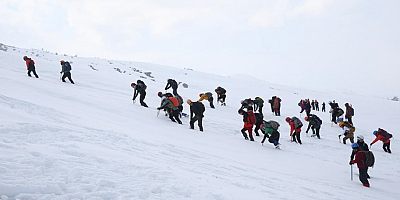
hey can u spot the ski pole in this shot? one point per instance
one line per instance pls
(351, 172)
(158, 112)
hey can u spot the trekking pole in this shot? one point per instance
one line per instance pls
(351, 172)
(158, 112)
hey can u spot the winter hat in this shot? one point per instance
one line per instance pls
(159, 94)
(133, 84)
(354, 146)
(375, 132)
(306, 118)
(200, 94)
(189, 101)
(360, 137)
(341, 124)
(287, 119)
(25, 57)
(62, 61)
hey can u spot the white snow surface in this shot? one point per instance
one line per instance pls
(88, 141)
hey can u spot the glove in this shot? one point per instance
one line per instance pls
(60, 72)
(345, 134)
(350, 163)
(306, 131)
(158, 108)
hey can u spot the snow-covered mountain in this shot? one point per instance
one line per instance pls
(88, 141)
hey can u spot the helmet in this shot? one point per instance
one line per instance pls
(159, 94)
(306, 118)
(200, 94)
(189, 101)
(25, 57)
(287, 119)
(61, 61)
(360, 137)
(354, 146)
(375, 132)
(341, 124)
(133, 84)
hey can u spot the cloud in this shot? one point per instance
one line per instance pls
(312, 7)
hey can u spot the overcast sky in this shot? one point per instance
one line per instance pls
(303, 42)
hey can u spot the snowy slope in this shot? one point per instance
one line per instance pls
(88, 141)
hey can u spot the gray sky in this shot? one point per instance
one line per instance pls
(336, 43)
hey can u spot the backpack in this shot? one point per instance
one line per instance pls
(339, 112)
(261, 101)
(351, 127)
(351, 110)
(221, 90)
(252, 117)
(265, 125)
(259, 117)
(180, 99)
(315, 118)
(369, 158)
(297, 123)
(208, 94)
(174, 101)
(141, 84)
(275, 125)
(385, 134)
(68, 66)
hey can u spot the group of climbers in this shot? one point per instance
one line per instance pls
(65, 69)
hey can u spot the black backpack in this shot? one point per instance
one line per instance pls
(385, 134)
(297, 122)
(369, 158)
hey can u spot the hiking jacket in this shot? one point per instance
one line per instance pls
(246, 120)
(380, 137)
(198, 109)
(277, 103)
(349, 111)
(30, 64)
(204, 97)
(292, 129)
(360, 144)
(360, 159)
(171, 83)
(139, 88)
